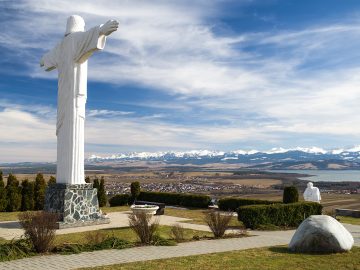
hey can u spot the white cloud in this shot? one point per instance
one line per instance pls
(299, 82)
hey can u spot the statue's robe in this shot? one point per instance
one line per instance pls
(70, 58)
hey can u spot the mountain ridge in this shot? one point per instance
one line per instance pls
(276, 158)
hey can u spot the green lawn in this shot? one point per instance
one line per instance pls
(9, 216)
(349, 220)
(274, 258)
(197, 216)
(123, 233)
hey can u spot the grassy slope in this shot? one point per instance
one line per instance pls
(275, 258)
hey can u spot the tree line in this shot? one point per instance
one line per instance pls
(30, 195)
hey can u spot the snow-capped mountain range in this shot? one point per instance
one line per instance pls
(298, 154)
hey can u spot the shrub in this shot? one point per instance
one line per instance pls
(182, 199)
(52, 180)
(13, 194)
(291, 214)
(39, 192)
(39, 228)
(101, 193)
(87, 180)
(106, 243)
(135, 190)
(143, 227)
(119, 200)
(27, 195)
(217, 222)
(161, 241)
(290, 195)
(16, 249)
(177, 232)
(233, 203)
(3, 202)
(96, 183)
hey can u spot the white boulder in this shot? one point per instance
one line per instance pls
(323, 234)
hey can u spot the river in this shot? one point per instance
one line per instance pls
(326, 175)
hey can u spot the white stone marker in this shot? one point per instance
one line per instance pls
(321, 233)
(70, 57)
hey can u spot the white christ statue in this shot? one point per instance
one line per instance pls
(311, 193)
(70, 57)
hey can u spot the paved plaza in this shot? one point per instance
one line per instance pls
(259, 239)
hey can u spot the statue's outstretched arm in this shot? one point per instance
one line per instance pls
(109, 27)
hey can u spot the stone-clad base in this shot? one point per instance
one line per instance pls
(63, 225)
(77, 205)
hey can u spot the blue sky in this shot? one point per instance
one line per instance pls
(181, 75)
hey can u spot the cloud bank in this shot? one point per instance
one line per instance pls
(230, 88)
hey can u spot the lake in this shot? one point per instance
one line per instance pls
(326, 175)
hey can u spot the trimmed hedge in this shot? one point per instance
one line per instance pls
(119, 200)
(182, 199)
(233, 203)
(291, 214)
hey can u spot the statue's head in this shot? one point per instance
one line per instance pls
(310, 185)
(75, 23)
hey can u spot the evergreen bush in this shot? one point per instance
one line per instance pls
(96, 183)
(39, 192)
(27, 195)
(87, 180)
(135, 190)
(52, 180)
(233, 203)
(290, 195)
(289, 215)
(102, 193)
(119, 200)
(3, 202)
(13, 194)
